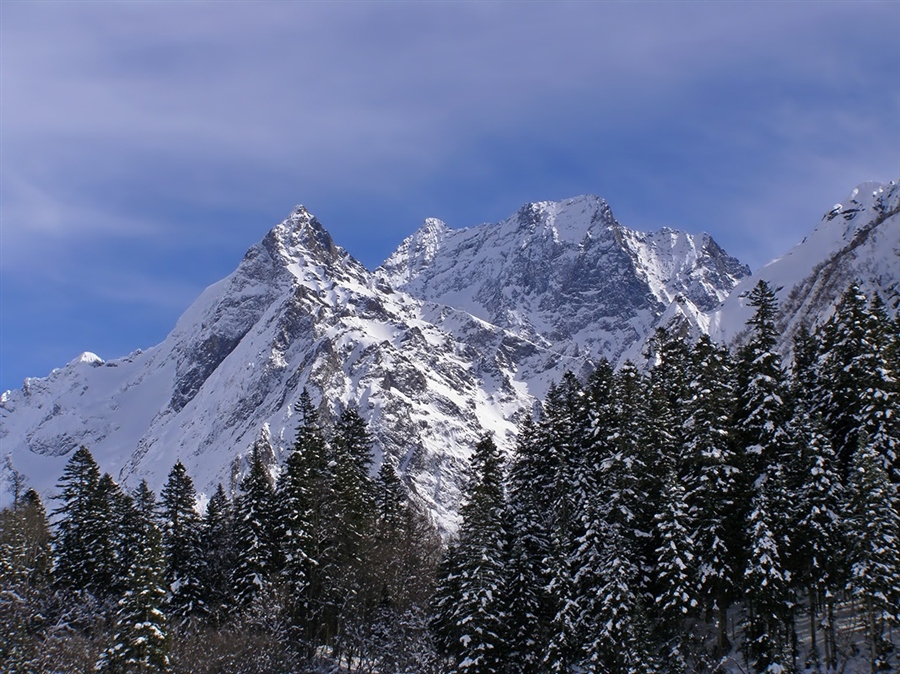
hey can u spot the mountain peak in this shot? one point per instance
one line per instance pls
(301, 237)
(569, 220)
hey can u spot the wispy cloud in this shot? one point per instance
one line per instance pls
(180, 131)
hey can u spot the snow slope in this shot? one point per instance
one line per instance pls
(459, 332)
(565, 275)
(858, 239)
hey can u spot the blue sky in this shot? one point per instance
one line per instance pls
(145, 146)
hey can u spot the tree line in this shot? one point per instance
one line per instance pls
(716, 507)
(320, 567)
(695, 518)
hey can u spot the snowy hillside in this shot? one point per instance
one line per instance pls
(565, 274)
(858, 239)
(298, 311)
(458, 332)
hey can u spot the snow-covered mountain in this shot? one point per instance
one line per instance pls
(858, 239)
(458, 332)
(565, 275)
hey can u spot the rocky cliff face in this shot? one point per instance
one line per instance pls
(458, 333)
(565, 275)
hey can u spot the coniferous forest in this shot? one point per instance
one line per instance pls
(718, 513)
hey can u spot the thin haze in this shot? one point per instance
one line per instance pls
(146, 146)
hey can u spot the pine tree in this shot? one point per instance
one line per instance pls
(805, 371)
(762, 411)
(217, 552)
(106, 539)
(136, 510)
(874, 529)
(256, 549)
(304, 498)
(676, 571)
(769, 623)
(478, 570)
(620, 635)
(181, 541)
(712, 483)
(75, 563)
(879, 415)
(528, 515)
(389, 500)
(140, 642)
(817, 551)
(858, 387)
(24, 581)
(617, 532)
(562, 435)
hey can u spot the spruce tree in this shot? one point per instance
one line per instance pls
(353, 507)
(676, 572)
(529, 523)
(858, 387)
(24, 581)
(874, 529)
(304, 499)
(879, 416)
(562, 434)
(769, 604)
(389, 499)
(106, 539)
(762, 410)
(217, 554)
(610, 576)
(818, 541)
(713, 482)
(254, 526)
(181, 541)
(138, 508)
(140, 640)
(75, 563)
(475, 621)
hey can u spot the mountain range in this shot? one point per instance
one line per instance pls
(458, 332)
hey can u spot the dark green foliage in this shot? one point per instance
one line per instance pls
(76, 566)
(818, 555)
(858, 388)
(640, 515)
(677, 573)
(217, 557)
(256, 553)
(713, 482)
(472, 580)
(528, 519)
(24, 581)
(767, 579)
(305, 535)
(140, 641)
(181, 543)
(875, 550)
(762, 410)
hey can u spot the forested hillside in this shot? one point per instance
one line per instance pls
(720, 512)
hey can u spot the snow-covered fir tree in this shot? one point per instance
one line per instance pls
(676, 573)
(528, 608)
(767, 579)
(217, 555)
(874, 532)
(712, 481)
(474, 580)
(181, 543)
(256, 549)
(818, 550)
(75, 562)
(140, 639)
